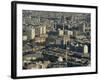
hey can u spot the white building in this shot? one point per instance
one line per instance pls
(84, 25)
(32, 33)
(65, 39)
(61, 32)
(40, 39)
(68, 32)
(29, 34)
(60, 59)
(42, 29)
(85, 49)
(24, 38)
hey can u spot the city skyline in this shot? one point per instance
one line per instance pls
(56, 39)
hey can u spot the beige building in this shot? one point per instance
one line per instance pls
(40, 39)
(32, 33)
(24, 37)
(61, 32)
(65, 39)
(40, 30)
(85, 49)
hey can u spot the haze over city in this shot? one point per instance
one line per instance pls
(56, 39)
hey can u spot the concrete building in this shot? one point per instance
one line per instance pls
(40, 30)
(24, 37)
(65, 39)
(40, 39)
(75, 33)
(82, 27)
(44, 29)
(32, 33)
(61, 32)
(85, 49)
(60, 59)
(68, 32)
(59, 41)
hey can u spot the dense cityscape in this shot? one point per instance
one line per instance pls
(56, 39)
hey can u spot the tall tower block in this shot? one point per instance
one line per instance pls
(32, 33)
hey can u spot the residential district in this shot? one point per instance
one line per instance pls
(56, 39)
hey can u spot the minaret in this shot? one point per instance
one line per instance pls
(62, 21)
(66, 57)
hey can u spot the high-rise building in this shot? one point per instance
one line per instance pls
(32, 33)
(61, 32)
(40, 39)
(82, 27)
(75, 33)
(58, 41)
(65, 39)
(68, 32)
(42, 30)
(85, 49)
(24, 37)
(60, 59)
